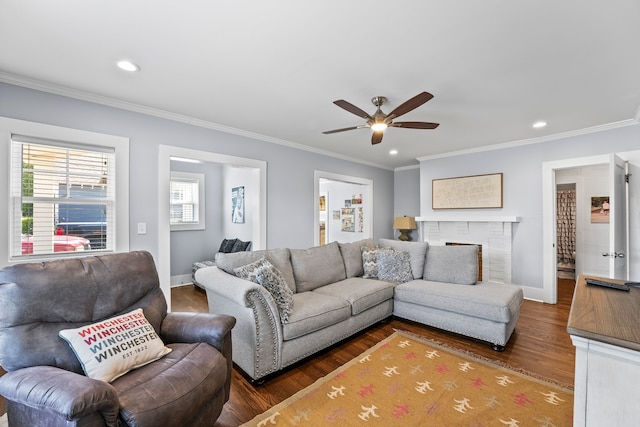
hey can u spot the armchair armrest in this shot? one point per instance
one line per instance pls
(69, 395)
(214, 329)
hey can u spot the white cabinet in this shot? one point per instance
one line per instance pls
(605, 329)
(607, 385)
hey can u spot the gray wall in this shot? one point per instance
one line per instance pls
(522, 169)
(406, 191)
(290, 172)
(196, 245)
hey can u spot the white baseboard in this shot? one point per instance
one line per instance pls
(181, 280)
(535, 294)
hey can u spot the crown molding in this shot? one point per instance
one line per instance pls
(564, 135)
(68, 92)
(408, 167)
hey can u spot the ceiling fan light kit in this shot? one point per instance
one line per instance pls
(379, 121)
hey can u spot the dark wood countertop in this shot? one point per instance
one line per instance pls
(607, 315)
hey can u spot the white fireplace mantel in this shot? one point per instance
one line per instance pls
(451, 218)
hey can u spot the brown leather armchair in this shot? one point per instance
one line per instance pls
(45, 384)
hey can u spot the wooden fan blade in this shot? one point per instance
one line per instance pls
(415, 125)
(352, 108)
(411, 104)
(376, 137)
(341, 130)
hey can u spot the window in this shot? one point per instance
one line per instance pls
(62, 197)
(186, 201)
(56, 179)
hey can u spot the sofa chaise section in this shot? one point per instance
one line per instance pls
(449, 297)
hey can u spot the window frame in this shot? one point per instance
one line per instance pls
(80, 138)
(198, 178)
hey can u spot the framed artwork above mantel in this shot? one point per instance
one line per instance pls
(467, 192)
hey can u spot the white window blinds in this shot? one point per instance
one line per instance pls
(62, 197)
(186, 201)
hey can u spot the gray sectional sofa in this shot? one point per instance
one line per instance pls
(292, 303)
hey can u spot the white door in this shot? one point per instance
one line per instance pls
(617, 251)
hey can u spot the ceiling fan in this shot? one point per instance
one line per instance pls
(379, 121)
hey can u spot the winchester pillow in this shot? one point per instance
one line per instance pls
(110, 348)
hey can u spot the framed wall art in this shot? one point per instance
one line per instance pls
(467, 192)
(599, 209)
(237, 205)
(348, 219)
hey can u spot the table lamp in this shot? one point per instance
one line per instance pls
(405, 224)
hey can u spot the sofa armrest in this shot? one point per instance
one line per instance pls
(257, 336)
(49, 390)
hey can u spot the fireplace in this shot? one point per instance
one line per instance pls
(492, 235)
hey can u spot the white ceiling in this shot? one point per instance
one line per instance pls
(271, 69)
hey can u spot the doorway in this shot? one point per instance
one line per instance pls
(589, 258)
(343, 209)
(259, 220)
(566, 230)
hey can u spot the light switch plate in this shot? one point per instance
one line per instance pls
(142, 228)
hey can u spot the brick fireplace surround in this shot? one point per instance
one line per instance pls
(493, 233)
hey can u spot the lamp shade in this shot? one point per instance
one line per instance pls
(404, 223)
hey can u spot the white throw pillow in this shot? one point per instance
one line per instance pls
(110, 348)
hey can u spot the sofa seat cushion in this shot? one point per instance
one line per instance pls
(167, 385)
(361, 294)
(313, 311)
(487, 300)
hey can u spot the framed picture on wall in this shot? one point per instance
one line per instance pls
(600, 209)
(348, 219)
(237, 205)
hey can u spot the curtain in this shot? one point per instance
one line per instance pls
(566, 226)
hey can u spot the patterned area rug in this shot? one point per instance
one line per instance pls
(408, 381)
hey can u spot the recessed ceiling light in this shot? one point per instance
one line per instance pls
(539, 124)
(393, 152)
(128, 66)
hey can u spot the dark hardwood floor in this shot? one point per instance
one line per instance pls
(540, 345)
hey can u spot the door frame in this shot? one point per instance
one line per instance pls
(164, 177)
(549, 219)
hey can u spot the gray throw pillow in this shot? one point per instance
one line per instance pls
(352, 256)
(394, 266)
(452, 264)
(278, 257)
(249, 271)
(417, 253)
(273, 281)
